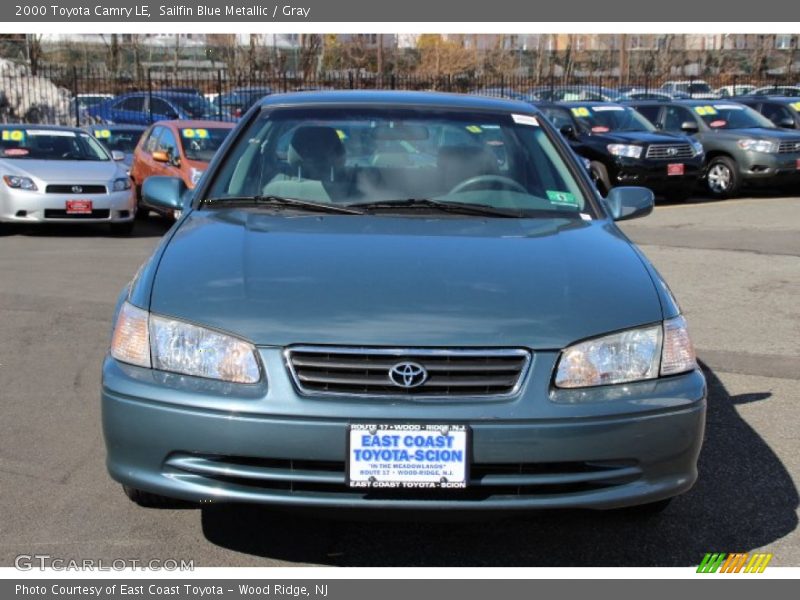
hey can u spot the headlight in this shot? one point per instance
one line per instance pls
(696, 146)
(122, 184)
(20, 183)
(195, 175)
(758, 145)
(629, 151)
(148, 340)
(633, 355)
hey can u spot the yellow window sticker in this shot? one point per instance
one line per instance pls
(187, 133)
(704, 111)
(13, 135)
(201, 133)
(102, 134)
(342, 135)
(580, 111)
(795, 105)
(474, 129)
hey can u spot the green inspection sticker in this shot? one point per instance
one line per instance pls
(557, 197)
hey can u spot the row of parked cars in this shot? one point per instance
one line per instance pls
(146, 107)
(95, 174)
(670, 146)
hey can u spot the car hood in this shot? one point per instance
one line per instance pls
(639, 137)
(371, 280)
(64, 171)
(759, 133)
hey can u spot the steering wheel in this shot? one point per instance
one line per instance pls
(488, 182)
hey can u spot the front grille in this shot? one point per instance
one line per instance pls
(68, 189)
(670, 151)
(99, 213)
(366, 371)
(789, 146)
(327, 479)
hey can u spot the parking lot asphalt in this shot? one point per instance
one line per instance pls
(734, 267)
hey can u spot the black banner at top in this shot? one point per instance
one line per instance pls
(450, 11)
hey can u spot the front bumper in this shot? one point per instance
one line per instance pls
(653, 174)
(21, 206)
(211, 442)
(763, 167)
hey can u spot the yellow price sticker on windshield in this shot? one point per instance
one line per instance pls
(188, 133)
(474, 129)
(795, 105)
(195, 133)
(580, 111)
(102, 133)
(201, 133)
(704, 111)
(13, 135)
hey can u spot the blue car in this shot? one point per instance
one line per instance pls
(144, 108)
(400, 300)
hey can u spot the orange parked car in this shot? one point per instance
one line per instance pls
(178, 149)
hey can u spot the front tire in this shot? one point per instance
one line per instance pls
(722, 178)
(142, 212)
(599, 175)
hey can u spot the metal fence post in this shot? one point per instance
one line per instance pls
(75, 96)
(150, 94)
(219, 94)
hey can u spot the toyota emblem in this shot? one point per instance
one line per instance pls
(408, 375)
(76, 189)
(672, 151)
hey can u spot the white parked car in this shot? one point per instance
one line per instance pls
(689, 88)
(729, 91)
(62, 174)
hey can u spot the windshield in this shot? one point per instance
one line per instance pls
(194, 106)
(732, 116)
(123, 140)
(351, 156)
(49, 144)
(610, 117)
(200, 143)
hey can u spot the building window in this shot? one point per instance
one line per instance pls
(783, 42)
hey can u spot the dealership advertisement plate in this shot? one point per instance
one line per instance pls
(675, 169)
(407, 456)
(79, 207)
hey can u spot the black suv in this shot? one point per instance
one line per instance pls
(626, 149)
(741, 145)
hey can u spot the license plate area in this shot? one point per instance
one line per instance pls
(675, 169)
(79, 207)
(407, 456)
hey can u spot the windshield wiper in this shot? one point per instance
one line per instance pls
(461, 208)
(280, 202)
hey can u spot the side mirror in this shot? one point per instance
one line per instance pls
(161, 156)
(785, 122)
(689, 127)
(117, 155)
(164, 192)
(568, 131)
(626, 202)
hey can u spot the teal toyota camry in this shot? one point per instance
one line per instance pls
(400, 300)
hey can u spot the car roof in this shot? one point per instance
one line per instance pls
(120, 126)
(767, 98)
(188, 123)
(578, 103)
(41, 126)
(399, 98)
